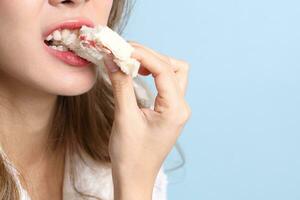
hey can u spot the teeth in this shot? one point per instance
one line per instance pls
(71, 39)
(60, 39)
(49, 38)
(54, 47)
(57, 35)
(62, 48)
(73, 36)
(59, 48)
(65, 34)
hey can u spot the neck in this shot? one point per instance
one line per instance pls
(25, 114)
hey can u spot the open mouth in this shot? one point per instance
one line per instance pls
(57, 44)
(58, 39)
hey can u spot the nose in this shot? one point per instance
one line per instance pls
(67, 2)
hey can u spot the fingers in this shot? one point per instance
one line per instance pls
(164, 78)
(182, 72)
(180, 68)
(122, 84)
(170, 77)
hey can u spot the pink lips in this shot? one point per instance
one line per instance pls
(68, 57)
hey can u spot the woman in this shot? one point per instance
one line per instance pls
(65, 132)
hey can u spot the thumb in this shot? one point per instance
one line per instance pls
(122, 85)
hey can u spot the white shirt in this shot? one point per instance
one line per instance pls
(93, 178)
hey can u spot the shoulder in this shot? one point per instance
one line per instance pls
(95, 178)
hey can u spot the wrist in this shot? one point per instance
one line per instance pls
(132, 184)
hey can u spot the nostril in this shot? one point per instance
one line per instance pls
(67, 2)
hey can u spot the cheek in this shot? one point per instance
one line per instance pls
(21, 53)
(17, 18)
(16, 11)
(8, 12)
(108, 3)
(101, 10)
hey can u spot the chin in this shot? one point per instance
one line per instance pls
(73, 85)
(76, 88)
(76, 92)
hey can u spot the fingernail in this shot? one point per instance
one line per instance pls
(110, 64)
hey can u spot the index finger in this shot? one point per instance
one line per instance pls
(164, 78)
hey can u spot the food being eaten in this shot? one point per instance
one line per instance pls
(92, 43)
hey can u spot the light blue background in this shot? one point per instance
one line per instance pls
(242, 142)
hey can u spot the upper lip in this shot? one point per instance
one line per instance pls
(74, 23)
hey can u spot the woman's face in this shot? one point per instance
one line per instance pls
(23, 56)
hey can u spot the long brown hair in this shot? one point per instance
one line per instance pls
(80, 122)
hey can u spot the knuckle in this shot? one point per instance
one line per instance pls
(188, 112)
(181, 115)
(135, 44)
(185, 66)
(166, 69)
(185, 115)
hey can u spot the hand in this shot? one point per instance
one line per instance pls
(141, 138)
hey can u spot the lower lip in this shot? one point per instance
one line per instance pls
(68, 57)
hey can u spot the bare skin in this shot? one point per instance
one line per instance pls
(152, 133)
(29, 86)
(31, 79)
(24, 124)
